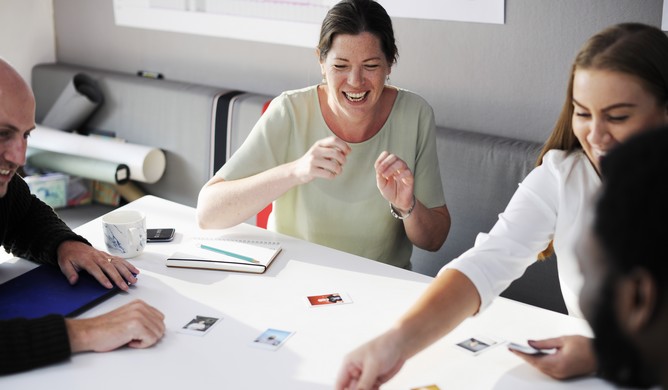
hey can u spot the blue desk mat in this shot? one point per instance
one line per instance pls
(45, 290)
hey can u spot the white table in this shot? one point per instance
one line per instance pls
(251, 303)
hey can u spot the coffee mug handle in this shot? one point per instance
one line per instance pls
(133, 234)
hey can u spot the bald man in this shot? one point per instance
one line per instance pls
(30, 229)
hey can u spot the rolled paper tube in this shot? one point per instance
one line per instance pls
(75, 104)
(130, 191)
(147, 164)
(85, 167)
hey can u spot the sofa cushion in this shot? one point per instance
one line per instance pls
(480, 173)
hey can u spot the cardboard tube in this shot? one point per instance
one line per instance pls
(85, 167)
(130, 191)
(75, 104)
(146, 164)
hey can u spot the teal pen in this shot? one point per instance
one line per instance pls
(236, 256)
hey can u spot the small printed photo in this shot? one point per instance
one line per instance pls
(475, 345)
(200, 325)
(328, 299)
(272, 338)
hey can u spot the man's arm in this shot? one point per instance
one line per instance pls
(26, 344)
(33, 230)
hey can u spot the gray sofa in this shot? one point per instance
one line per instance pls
(480, 173)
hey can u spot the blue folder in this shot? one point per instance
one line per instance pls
(45, 290)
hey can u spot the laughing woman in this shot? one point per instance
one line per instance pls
(350, 163)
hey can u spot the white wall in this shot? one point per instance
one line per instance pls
(27, 34)
(497, 79)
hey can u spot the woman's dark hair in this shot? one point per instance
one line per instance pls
(354, 17)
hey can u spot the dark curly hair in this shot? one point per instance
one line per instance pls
(631, 220)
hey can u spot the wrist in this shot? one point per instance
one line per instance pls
(77, 335)
(402, 214)
(401, 341)
(68, 246)
(294, 174)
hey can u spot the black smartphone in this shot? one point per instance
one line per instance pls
(159, 235)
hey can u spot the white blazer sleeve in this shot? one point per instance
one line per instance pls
(522, 231)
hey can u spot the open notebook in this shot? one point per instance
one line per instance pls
(225, 255)
(45, 290)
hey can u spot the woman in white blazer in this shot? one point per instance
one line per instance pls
(618, 87)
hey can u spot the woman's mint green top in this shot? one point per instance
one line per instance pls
(347, 213)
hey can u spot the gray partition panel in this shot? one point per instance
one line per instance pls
(245, 110)
(174, 116)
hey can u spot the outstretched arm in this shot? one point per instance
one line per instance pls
(448, 301)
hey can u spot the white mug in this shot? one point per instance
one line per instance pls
(124, 232)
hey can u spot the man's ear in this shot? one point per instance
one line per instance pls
(636, 300)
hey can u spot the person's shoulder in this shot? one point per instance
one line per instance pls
(289, 101)
(410, 97)
(301, 93)
(296, 97)
(561, 157)
(565, 161)
(410, 102)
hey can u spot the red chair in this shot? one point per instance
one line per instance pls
(263, 216)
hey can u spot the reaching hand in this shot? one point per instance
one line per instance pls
(136, 325)
(394, 180)
(74, 256)
(371, 365)
(325, 159)
(574, 357)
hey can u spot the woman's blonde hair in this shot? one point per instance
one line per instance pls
(632, 48)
